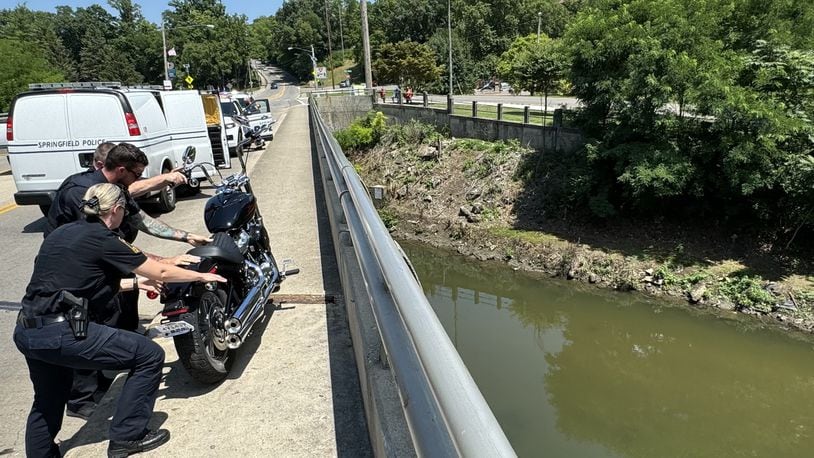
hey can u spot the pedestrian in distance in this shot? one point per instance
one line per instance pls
(408, 95)
(397, 95)
(382, 93)
(77, 272)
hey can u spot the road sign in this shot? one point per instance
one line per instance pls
(170, 65)
(189, 79)
(167, 85)
(171, 73)
(322, 73)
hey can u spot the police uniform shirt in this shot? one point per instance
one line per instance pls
(84, 258)
(66, 207)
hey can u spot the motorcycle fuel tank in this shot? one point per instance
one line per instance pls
(229, 210)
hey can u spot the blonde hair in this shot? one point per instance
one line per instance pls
(101, 198)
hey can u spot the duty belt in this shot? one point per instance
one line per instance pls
(40, 321)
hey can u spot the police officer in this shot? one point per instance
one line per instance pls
(124, 164)
(145, 185)
(86, 261)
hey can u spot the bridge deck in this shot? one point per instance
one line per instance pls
(293, 390)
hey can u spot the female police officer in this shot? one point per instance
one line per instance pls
(86, 261)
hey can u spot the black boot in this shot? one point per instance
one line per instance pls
(150, 441)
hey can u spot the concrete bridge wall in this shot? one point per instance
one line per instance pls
(339, 111)
(566, 139)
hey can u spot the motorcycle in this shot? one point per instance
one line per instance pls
(209, 322)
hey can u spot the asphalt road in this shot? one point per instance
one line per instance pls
(293, 390)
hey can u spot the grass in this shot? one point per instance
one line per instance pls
(533, 237)
(510, 114)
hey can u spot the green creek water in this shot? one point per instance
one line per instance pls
(573, 371)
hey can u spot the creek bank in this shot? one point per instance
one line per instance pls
(465, 195)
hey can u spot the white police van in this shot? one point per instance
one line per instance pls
(53, 129)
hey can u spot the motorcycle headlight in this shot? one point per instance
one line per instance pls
(230, 125)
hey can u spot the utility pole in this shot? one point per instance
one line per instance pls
(164, 42)
(341, 32)
(449, 27)
(330, 51)
(539, 21)
(366, 45)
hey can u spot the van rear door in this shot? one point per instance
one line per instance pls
(259, 115)
(216, 127)
(186, 120)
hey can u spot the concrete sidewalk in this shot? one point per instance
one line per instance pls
(293, 389)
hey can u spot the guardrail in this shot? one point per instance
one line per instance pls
(445, 412)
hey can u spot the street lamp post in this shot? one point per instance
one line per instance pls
(539, 22)
(313, 61)
(164, 41)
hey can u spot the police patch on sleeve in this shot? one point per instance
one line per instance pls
(132, 248)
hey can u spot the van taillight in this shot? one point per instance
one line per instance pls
(9, 130)
(132, 124)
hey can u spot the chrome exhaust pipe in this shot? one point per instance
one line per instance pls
(233, 342)
(236, 322)
(257, 312)
(250, 310)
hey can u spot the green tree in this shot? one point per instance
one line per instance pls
(217, 56)
(38, 29)
(465, 70)
(406, 62)
(533, 64)
(29, 66)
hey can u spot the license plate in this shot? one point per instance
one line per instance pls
(175, 328)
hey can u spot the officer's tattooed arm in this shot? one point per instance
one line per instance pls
(159, 228)
(162, 230)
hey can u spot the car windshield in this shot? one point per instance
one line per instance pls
(228, 108)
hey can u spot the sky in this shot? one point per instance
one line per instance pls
(152, 8)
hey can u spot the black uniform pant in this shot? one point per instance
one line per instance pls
(52, 352)
(90, 385)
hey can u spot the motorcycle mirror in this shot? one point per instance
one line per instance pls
(189, 155)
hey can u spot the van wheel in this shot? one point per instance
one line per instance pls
(166, 198)
(44, 209)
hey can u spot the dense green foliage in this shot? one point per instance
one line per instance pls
(362, 133)
(90, 44)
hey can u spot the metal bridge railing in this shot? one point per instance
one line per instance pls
(445, 411)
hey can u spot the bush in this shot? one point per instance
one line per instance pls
(362, 134)
(746, 291)
(410, 134)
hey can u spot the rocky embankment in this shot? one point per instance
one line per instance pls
(467, 195)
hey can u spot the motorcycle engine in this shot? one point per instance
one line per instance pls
(242, 240)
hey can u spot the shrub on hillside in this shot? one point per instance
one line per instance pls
(362, 134)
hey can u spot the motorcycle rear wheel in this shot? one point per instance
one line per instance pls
(203, 350)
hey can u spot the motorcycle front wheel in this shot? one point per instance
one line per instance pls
(203, 351)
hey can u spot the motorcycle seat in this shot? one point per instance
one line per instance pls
(221, 249)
